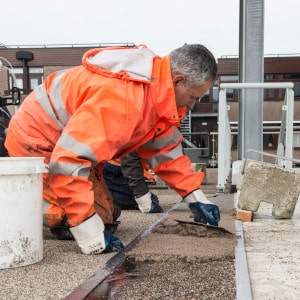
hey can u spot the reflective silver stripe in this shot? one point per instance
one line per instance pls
(160, 158)
(69, 169)
(46, 205)
(57, 101)
(43, 99)
(69, 143)
(163, 142)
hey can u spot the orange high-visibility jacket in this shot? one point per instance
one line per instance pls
(117, 101)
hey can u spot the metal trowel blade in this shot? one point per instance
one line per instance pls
(222, 229)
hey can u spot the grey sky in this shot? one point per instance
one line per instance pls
(160, 24)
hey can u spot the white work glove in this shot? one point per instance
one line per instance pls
(205, 210)
(91, 237)
(147, 205)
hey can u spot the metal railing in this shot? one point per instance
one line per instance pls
(225, 137)
(196, 145)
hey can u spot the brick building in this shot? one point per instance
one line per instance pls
(33, 63)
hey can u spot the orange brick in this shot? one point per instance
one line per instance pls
(244, 215)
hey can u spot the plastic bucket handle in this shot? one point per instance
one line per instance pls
(29, 169)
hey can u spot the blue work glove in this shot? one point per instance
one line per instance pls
(147, 204)
(112, 241)
(206, 210)
(209, 213)
(155, 208)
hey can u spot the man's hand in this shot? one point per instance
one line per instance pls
(112, 241)
(208, 213)
(155, 208)
(92, 239)
(206, 210)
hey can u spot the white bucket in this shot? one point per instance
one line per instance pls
(21, 219)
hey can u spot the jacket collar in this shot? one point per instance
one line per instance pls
(121, 62)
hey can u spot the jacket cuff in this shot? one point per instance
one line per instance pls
(144, 202)
(89, 235)
(196, 196)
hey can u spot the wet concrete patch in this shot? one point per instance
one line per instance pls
(182, 261)
(169, 261)
(189, 228)
(159, 247)
(171, 240)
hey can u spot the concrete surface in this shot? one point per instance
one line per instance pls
(271, 240)
(63, 267)
(273, 254)
(271, 249)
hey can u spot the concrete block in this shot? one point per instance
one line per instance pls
(265, 182)
(236, 166)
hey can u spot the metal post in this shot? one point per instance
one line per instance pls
(221, 139)
(289, 126)
(251, 69)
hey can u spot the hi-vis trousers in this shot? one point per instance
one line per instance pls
(103, 203)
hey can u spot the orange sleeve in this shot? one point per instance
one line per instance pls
(179, 174)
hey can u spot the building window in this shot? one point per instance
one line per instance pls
(297, 89)
(291, 76)
(269, 77)
(34, 82)
(269, 94)
(297, 139)
(295, 78)
(229, 78)
(215, 94)
(205, 98)
(36, 77)
(231, 94)
(18, 76)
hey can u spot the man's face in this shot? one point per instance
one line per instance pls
(187, 97)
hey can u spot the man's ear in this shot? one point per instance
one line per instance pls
(178, 79)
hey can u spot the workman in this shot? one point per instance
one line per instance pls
(126, 181)
(119, 100)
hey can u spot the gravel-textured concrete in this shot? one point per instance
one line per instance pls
(270, 245)
(182, 260)
(63, 267)
(180, 280)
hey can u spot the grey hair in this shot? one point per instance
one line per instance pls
(195, 62)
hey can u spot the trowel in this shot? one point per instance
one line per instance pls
(221, 229)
